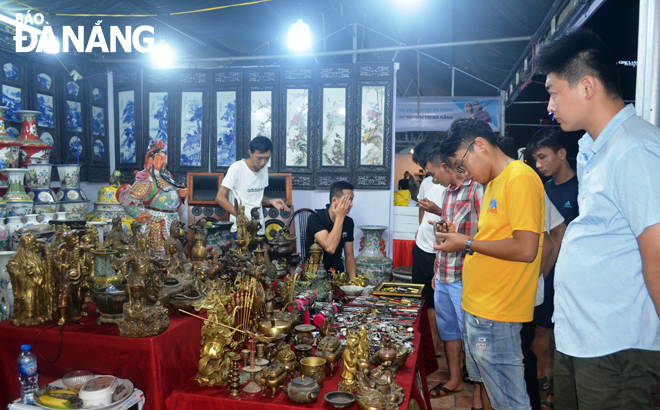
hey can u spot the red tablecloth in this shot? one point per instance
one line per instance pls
(189, 396)
(156, 365)
(402, 253)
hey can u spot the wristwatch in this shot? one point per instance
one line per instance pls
(468, 247)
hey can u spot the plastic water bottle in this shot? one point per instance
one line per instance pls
(28, 374)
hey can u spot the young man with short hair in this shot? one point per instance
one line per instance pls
(246, 180)
(460, 204)
(607, 278)
(429, 197)
(332, 229)
(549, 153)
(501, 271)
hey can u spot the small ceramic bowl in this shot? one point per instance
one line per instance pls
(339, 399)
(351, 291)
(75, 380)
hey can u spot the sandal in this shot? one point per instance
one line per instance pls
(441, 388)
(466, 376)
(544, 384)
(549, 404)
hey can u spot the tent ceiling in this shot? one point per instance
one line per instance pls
(260, 29)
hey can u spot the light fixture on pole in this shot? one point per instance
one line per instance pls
(162, 54)
(300, 38)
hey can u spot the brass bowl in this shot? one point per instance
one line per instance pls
(274, 327)
(340, 399)
(110, 303)
(313, 367)
(386, 355)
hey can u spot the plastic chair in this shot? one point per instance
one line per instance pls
(301, 215)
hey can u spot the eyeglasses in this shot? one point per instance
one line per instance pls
(459, 167)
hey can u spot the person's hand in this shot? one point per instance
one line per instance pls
(433, 283)
(416, 233)
(279, 204)
(183, 192)
(343, 206)
(453, 242)
(430, 207)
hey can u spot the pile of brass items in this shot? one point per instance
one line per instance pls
(375, 393)
(329, 348)
(273, 377)
(359, 280)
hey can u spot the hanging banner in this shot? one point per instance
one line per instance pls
(437, 113)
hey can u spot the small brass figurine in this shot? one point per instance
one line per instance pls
(243, 236)
(349, 369)
(116, 237)
(374, 393)
(71, 278)
(31, 284)
(364, 348)
(338, 280)
(315, 257)
(253, 226)
(359, 280)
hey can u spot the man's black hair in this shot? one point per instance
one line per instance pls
(421, 150)
(548, 137)
(261, 144)
(462, 133)
(577, 53)
(337, 189)
(435, 157)
(508, 146)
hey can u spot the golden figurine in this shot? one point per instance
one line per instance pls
(359, 280)
(364, 348)
(253, 226)
(315, 256)
(242, 234)
(71, 277)
(214, 362)
(349, 369)
(338, 280)
(116, 237)
(374, 393)
(30, 283)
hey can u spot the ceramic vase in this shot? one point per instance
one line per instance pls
(3, 208)
(72, 199)
(33, 149)
(31, 219)
(14, 223)
(6, 294)
(18, 202)
(4, 235)
(9, 148)
(371, 261)
(38, 182)
(46, 217)
(60, 216)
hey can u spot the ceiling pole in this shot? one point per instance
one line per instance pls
(354, 41)
(418, 79)
(342, 52)
(453, 80)
(647, 95)
(323, 21)
(502, 114)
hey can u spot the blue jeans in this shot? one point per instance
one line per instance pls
(493, 355)
(448, 311)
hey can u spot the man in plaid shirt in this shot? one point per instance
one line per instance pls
(461, 203)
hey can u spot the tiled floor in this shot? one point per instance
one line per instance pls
(463, 400)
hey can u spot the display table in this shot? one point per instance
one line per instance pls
(402, 253)
(156, 365)
(412, 377)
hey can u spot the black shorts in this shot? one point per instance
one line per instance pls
(423, 271)
(543, 312)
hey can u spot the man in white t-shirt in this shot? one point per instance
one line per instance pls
(246, 180)
(423, 269)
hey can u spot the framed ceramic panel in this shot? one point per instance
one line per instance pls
(190, 147)
(96, 101)
(130, 145)
(371, 125)
(261, 114)
(226, 117)
(46, 95)
(157, 117)
(225, 128)
(297, 128)
(375, 98)
(127, 148)
(262, 109)
(46, 110)
(12, 98)
(333, 139)
(73, 116)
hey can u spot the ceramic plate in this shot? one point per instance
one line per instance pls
(123, 391)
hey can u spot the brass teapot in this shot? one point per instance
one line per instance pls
(302, 390)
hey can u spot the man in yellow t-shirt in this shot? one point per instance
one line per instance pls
(501, 271)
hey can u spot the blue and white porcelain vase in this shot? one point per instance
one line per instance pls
(4, 235)
(373, 262)
(38, 182)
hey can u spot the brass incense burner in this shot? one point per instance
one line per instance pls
(272, 377)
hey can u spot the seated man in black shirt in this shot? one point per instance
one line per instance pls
(333, 229)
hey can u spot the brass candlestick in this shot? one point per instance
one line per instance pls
(260, 356)
(252, 387)
(233, 383)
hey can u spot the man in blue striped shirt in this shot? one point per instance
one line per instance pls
(607, 277)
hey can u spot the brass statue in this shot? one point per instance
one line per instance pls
(116, 237)
(242, 234)
(178, 232)
(372, 394)
(338, 280)
(214, 362)
(359, 280)
(144, 315)
(364, 348)
(349, 369)
(72, 278)
(30, 283)
(253, 226)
